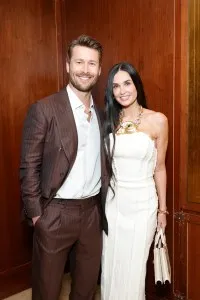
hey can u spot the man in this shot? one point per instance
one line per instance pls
(61, 164)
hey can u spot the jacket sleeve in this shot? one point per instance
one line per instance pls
(34, 132)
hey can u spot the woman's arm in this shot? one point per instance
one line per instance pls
(160, 170)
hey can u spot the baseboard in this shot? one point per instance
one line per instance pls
(162, 292)
(15, 280)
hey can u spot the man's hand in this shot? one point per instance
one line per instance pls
(35, 219)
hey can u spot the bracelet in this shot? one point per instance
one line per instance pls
(165, 212)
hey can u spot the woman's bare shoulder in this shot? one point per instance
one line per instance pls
(154, 116)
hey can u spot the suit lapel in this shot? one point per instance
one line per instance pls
(101, 133)
(66, 125)
(104, 175)
(99, 122)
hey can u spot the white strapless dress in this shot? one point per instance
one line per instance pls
(132, 218)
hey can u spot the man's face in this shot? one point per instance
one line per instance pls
(83, 68)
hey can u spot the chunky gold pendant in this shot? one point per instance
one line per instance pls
(127, 127)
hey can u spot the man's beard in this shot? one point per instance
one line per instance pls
(81, 87)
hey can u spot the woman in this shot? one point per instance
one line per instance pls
(136, 142)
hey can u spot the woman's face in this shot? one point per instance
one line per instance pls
(124, 89)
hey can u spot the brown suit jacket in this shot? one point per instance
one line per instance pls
(49, 149)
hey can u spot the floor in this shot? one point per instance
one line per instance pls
(26, 295)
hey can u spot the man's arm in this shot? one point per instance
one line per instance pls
(35, 128)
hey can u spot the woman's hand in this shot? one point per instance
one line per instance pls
(161, 221)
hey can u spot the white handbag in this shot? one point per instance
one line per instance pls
(162, 268)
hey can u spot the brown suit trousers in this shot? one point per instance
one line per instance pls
(63, 224)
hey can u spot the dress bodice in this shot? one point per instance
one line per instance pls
(134, 158)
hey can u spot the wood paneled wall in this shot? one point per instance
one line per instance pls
(187, 216)
(31, 67)
(143, 33)
(193, 103)
(151, 34)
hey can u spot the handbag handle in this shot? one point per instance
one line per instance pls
(163, 237)
(160, 238)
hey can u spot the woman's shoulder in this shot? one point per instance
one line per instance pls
(154, 116)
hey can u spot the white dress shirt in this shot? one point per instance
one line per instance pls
(84, 179)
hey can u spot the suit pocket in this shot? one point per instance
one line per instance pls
(39, 221)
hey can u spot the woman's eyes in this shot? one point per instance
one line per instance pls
(125, 83)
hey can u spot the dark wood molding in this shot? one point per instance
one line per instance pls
(15, 280)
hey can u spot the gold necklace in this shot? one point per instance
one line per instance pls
(128, 127)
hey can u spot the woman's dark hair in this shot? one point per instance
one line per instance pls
(113, 108)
